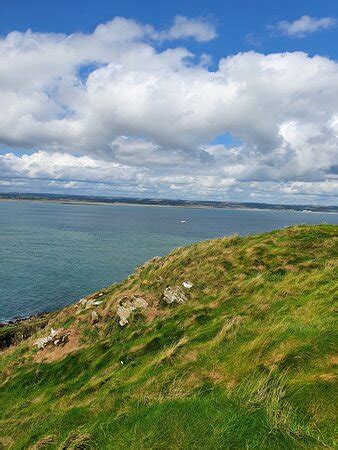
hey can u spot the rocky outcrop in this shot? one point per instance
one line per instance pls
(18, 330)
(127, 306)
(87, 303)
(61, 339)
(173, 295)
(94, 318)
(42, 342)
(187, 284)
(155, 260)
(56, 337)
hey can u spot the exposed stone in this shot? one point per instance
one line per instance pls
(57, 337)
(90, 304)
(127, 305)
(139, 302)
(17, 330)
(86, 303)
(62, 339)
(123, 315)
(174, 295)
(187, 284)
(154, 260)
(94, 318)
(42, 342)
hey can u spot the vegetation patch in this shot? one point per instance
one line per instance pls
(248, 360)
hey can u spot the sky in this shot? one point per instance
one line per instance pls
(220, 100)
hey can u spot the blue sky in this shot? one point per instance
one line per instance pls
(229, 100)
(234, 18)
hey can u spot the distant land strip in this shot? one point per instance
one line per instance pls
(164, 202)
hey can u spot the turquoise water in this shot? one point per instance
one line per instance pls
(52, 254)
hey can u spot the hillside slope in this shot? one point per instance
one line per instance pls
(244, 357)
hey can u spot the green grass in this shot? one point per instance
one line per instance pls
(248, 362)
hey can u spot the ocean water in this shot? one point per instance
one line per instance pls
(52, 254)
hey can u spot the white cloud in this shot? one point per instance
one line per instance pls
(305, 25)
(64, 167)
(64, 173)
(110, 109)
(199, 29)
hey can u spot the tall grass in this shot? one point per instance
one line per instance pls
(248, 362)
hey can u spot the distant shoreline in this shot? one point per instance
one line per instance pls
(93, 203)
(17, 320)
(172, 203)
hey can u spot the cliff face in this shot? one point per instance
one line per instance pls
(228, 343)
(18, 330)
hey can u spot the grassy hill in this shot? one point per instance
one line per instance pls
(247, 360)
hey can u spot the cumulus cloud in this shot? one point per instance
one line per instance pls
(305, 25)
(199, 29)
(63, 167)
(113, 112)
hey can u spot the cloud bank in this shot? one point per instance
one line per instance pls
(118, 112)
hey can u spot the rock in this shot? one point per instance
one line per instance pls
(57, 337)
(187, 284)
(127, 306)
(62, 339)
(17, 330)
(123, 315)
(139, 302)
(154, 260)
(81, 304)
(87, 304)
(90, 304)
(42, 342)
(174, 295)
(94, 318)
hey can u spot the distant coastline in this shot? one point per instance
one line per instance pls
(205, 204)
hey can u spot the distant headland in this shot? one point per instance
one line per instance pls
(83, 199)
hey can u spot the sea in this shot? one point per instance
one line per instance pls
(52, 254)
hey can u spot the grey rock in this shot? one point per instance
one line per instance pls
(94, 318)
(42, 342)
(62, 339)
(127, 305)
(90, 304)
(174, 295)
(123, 315)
